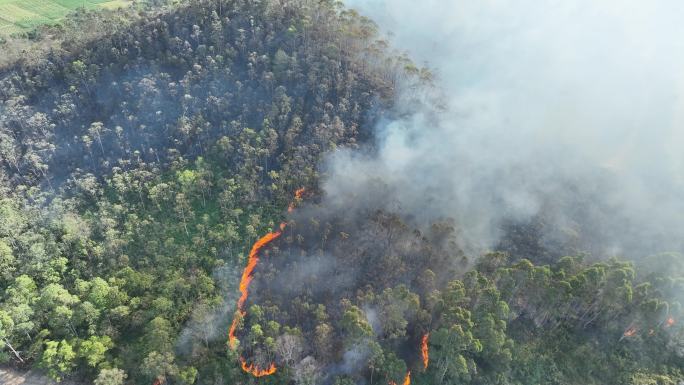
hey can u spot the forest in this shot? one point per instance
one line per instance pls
(163, 221)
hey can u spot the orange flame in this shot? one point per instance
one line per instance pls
(670, 322)
(157, 381)
(232, 340)
(407, 380)
(245, 280)
(252, 263)
(630, 332)
(424, 350)
(255, 371)
(298, 196)
(247, 276)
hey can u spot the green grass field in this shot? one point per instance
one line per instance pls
(21, 15)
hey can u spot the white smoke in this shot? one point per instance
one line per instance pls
(569, 110)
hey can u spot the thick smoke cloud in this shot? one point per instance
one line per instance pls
(567, 113)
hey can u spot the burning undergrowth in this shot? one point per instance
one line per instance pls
(362, 295)
(344, 287)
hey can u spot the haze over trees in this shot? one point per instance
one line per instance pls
(140, 161)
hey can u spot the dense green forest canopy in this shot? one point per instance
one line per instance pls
(141, 158)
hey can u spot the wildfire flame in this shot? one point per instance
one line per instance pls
(255, 371)
(245, 280)
(424, 350)
(630, 332)
(670, 322)
(157, 381)
(247, 276)
(232, 340)
(407, 380)
(298, 196)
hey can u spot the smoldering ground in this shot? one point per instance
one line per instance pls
(209, 322)
(563, 117)
(564, 114)
(329, 261)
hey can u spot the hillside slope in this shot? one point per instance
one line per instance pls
(138, 169)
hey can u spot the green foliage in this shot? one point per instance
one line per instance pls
(110, 377)
(355, 326)
(159, 365)
(93, 350)
(58, 359)
(27, 14)
(136, 173)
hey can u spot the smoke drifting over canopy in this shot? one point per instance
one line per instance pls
(570, 114)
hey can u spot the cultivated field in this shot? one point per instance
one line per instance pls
(21, 15)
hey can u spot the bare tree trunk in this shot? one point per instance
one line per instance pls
(13, 351)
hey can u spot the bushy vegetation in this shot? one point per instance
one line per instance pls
(138, 168)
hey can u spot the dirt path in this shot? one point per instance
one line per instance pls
(13, 377)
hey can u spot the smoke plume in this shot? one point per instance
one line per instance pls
(566, 114)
